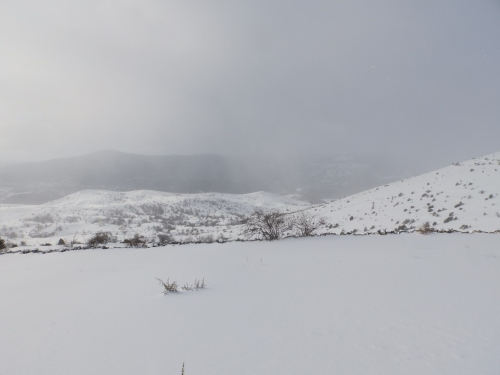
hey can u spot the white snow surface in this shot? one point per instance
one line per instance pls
(389, 305)
(468, 191)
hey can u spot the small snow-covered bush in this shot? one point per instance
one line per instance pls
(199, 284)
(99, 238)
(168, 286)
(207, 238)
(135, 241)
(172, 286)
(164, 238)
(425, 228)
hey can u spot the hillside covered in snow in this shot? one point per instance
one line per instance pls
(138, 212)
(462, 197)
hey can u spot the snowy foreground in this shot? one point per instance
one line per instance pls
(401, 304)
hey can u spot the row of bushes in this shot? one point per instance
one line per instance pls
(273, 225)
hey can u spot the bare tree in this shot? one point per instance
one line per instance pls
(99, 238)
(268, 226)
(164, 238)
(425, 228)
(136, 241)
(306, 224)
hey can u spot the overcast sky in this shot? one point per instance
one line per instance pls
(406, 77)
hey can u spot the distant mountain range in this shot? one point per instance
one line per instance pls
(307, 178)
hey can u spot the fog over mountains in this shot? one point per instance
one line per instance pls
(310, 178)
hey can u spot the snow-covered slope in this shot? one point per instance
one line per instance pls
(142, 212)
(464, 196)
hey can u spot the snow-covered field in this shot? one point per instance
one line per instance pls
(405, 304)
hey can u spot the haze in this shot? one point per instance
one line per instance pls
(417, 78)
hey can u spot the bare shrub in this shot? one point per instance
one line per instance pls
(221, 239)
(137, 240)
(198, 284)
(100, 238)
(2, 244)
(425, 228)
(164, 238)
(168, 286)
(306, 224)
(268, 226)
(207, 238)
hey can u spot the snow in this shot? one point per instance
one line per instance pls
(462, 197)
(143, 211)
(406, 304)
(469, 191)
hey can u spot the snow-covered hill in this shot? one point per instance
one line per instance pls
(127, 213)
(462, 197)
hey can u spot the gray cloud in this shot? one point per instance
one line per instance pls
(403, 77)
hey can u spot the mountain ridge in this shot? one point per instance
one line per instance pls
(312, 178)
